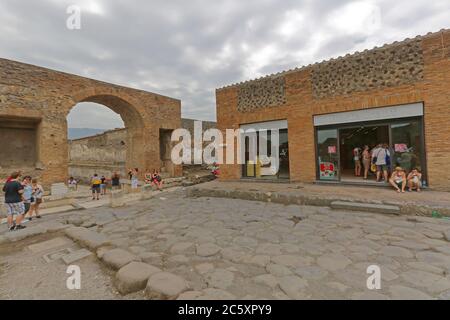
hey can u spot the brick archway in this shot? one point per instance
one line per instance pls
(43, 98)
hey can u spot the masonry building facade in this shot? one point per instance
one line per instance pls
(398, 94)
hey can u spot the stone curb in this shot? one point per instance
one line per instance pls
(309, 200)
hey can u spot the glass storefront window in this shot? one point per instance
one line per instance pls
(407, 145)
(327, 153)
(270, 160)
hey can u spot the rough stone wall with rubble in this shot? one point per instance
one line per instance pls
(105, 153)
(410, 71)
(45, 97)
(262, 93)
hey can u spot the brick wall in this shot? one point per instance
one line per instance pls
(47, 97)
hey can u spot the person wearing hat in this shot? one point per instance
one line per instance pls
(398, 179)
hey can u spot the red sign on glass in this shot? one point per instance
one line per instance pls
(332, 149)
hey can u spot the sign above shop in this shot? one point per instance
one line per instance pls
(371, 114)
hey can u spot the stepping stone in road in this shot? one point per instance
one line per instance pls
(166, 285)
(134, 276)
(117, 258)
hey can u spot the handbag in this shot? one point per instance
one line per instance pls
(373, 167)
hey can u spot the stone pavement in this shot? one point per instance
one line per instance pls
(177, 247)
(410, 203)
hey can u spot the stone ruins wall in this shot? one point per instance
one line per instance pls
(105, 153)
(45, 97)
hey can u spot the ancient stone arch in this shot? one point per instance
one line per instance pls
(37, 101)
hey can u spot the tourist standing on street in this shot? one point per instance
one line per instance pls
(134, 178)
(357, 160)
(13, 190)
(366, 160)
(38, 194)
(96, 182)
(27, 193)
(103, 186)
(381, 157)
(115, 181)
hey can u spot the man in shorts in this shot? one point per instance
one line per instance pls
(96, 182)
(13, 190)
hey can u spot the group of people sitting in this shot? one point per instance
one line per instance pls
(23, 197)
(378, 161)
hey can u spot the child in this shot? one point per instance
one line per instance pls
(38, 194)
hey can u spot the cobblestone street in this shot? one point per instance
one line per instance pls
(215, 248)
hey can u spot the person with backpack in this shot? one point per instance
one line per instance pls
(381, 158)
(96, 182)
(13, 190)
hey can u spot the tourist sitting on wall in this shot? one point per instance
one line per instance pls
(414, 180)
(72, 184)
(214, 169)
(398, 179)
(157, 180)
(148, 177)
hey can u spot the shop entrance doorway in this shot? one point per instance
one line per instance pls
(358, 137)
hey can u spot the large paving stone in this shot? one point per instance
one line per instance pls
(51, 244)
(208, 249)
(294, 287)
(181, 247)
(166, 285)
(219, 279)
(267, 280)
(278, 270)
(134, 277)
(393, 251)
(117, 258)
(24, 233)
(431, 281)
(293, 261)
(333, 261)
(434, 258)
(87, 238)
(76, 256)
(311, 272)
(406, 293)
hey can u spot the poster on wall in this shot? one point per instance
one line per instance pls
(327, 170)
(401, 147)
(332, 149)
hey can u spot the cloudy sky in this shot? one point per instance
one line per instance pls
(186, 49)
